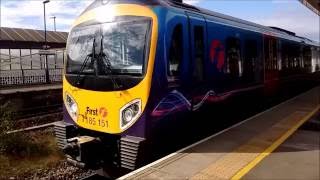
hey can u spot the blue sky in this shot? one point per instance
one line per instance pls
(287, 14)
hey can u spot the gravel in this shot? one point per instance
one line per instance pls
(61, 171)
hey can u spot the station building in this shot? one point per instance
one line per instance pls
(21, 60)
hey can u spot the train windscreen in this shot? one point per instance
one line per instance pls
(109, 48)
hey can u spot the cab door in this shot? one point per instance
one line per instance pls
(198, 54)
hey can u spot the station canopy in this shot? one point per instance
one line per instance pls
(313, 5)
(18, 38)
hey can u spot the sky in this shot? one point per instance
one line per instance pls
(287, 14)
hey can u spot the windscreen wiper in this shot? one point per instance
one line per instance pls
(103, 56)
(91, 55)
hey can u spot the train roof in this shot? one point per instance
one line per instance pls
(273, 31)
(215, 16)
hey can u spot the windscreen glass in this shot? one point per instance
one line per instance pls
(109, 48)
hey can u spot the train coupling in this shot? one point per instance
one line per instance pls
(83, 151)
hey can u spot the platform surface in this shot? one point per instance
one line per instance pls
(31, 88)
(297, 158)
(234, 152)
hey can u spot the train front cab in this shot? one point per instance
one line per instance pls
(102, 105)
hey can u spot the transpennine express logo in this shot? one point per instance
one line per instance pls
(217, 54)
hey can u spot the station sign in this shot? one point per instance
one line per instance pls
(47, 52)
(45, 47)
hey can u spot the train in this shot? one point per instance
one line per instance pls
(132, 64)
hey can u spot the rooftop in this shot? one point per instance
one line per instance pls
(31, 35)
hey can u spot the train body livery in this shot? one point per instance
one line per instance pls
(133, 63)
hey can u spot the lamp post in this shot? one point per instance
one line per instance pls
(45, 40)
(54, 22)
(45, 25)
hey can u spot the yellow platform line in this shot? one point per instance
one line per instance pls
(229, 165)
(273, 146)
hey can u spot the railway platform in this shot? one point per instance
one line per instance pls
(30, 88)
(282, 142)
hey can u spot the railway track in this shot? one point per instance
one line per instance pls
(37, 111)
(94, 176)
(35, 118)
(33, 128)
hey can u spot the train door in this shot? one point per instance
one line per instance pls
(197, 46)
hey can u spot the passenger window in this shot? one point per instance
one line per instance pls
(199, 53)
(270, 49)
(307, 58)
(176, 52)
(233, 66)
(250, 60)
(285, 56)
(291, 57)
(294, 57)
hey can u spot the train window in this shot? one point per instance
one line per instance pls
(176, 51)
(271, 54)
(199, 53)
(274, 46)
(296, 57)
(307, 58)
(291, 57)
(285, 56)
(300, 58)
(233, 66)
(315, 53)
(250, 60)
(318, 59)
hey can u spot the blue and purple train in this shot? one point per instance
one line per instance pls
(132, 64)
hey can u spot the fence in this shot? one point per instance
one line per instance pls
(20, 68)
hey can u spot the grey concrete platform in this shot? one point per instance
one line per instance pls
(232, 153)
(31, 88)
(297, 158)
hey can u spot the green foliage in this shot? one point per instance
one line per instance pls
(6, 116)
(24, 145)
(24, 153)
(40, 152)
(18, 144)
(6, 124)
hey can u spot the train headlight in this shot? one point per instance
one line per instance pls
(71, 106)
(129, 113)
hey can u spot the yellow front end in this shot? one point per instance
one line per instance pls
(101, 111)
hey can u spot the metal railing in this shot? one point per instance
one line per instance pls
(29, 76)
